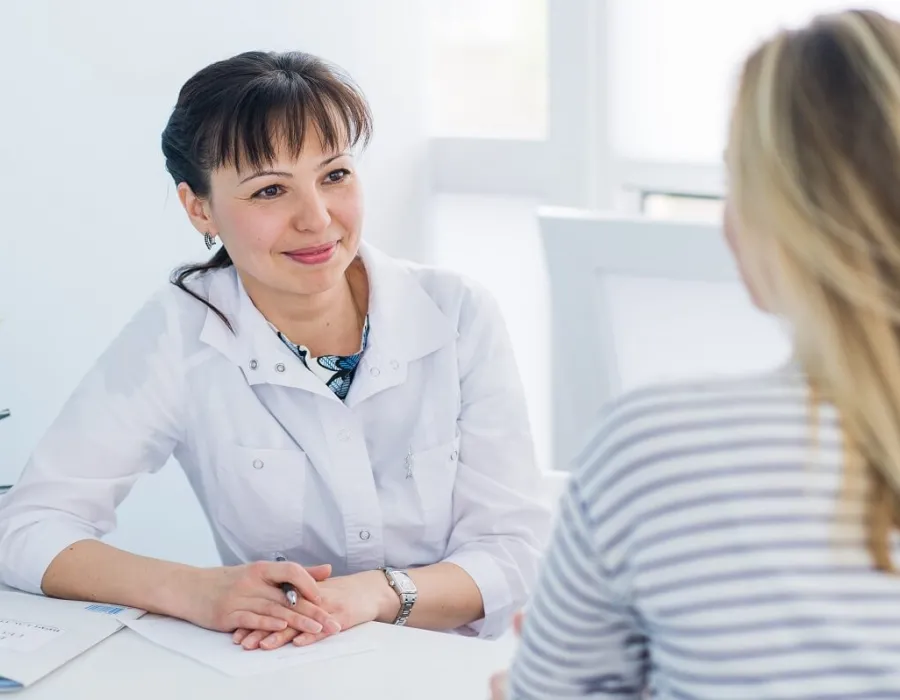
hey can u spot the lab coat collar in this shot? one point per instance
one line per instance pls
(253, 346)
(405, 325)
(406, 322)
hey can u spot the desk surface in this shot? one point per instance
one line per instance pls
(409, 664)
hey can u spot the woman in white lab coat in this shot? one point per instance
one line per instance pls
(351, 411)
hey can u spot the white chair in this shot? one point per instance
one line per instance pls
(635, 300)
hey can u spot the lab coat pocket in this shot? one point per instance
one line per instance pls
(261, 499)
(434, 471)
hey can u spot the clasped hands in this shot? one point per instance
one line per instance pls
(248, 601)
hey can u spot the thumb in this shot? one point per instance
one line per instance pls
(320, 572)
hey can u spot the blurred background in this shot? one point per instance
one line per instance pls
(566, 153)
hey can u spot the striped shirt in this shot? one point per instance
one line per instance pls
(710, 546)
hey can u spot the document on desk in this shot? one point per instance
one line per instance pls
(38, 634)
(119, 611)
(24, 636)
(215, 649)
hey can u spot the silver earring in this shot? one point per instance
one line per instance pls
(209, 240)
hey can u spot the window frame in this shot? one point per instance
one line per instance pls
(574, 164)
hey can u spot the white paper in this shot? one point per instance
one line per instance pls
(38, 634)
(120, 611)
(217, 650)
(24, 636)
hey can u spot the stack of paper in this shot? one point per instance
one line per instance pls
(38, 634)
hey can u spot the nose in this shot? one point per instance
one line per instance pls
(312, 215)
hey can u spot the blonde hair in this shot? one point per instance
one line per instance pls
(814, 166)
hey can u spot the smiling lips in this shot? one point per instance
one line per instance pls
(315, 255)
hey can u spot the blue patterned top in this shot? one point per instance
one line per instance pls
(337, 371)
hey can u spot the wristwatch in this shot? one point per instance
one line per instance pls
(405, 588)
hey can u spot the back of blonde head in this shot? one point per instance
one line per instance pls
(814, 164)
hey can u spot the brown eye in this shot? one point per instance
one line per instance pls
(269, 192)
(336, 176)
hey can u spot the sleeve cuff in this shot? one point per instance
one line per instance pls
(27, 557)
(495, 593)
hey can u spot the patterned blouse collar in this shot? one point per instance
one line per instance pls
(337, 371)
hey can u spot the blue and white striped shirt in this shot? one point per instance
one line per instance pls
(709, 546)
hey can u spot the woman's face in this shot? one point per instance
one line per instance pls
(292, 227)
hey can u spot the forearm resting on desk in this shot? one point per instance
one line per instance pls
(221, 598)
(448, 598)
(92, 570)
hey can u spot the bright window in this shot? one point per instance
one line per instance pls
(675, 207)
(674, 64)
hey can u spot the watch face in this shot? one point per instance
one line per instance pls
(406, 585)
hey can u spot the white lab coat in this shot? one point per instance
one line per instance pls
(279, 463)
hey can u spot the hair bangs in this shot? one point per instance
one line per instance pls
(276, 112)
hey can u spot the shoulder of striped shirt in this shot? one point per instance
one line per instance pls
(665, 404)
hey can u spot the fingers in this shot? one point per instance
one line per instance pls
(305, 639)
(291, 616)
(263, 610)
(320, 572)
(498, 686)
(260, 639)
(303, 609)
(255, 621)
(306, 617)
(276, 595)
(294, 574)
(252, 639)
(518, 619)
(275, 640)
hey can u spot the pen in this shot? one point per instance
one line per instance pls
(288, 589)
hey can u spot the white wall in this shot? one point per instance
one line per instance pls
(496, 241)
(91, 223)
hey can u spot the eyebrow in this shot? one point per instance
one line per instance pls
(263, 173)
(332, 159)
(282, 173)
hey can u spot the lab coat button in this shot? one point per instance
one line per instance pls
(258, 464)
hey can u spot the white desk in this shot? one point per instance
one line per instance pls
(410, 664)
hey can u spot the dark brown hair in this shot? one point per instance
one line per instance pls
(237, 112)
